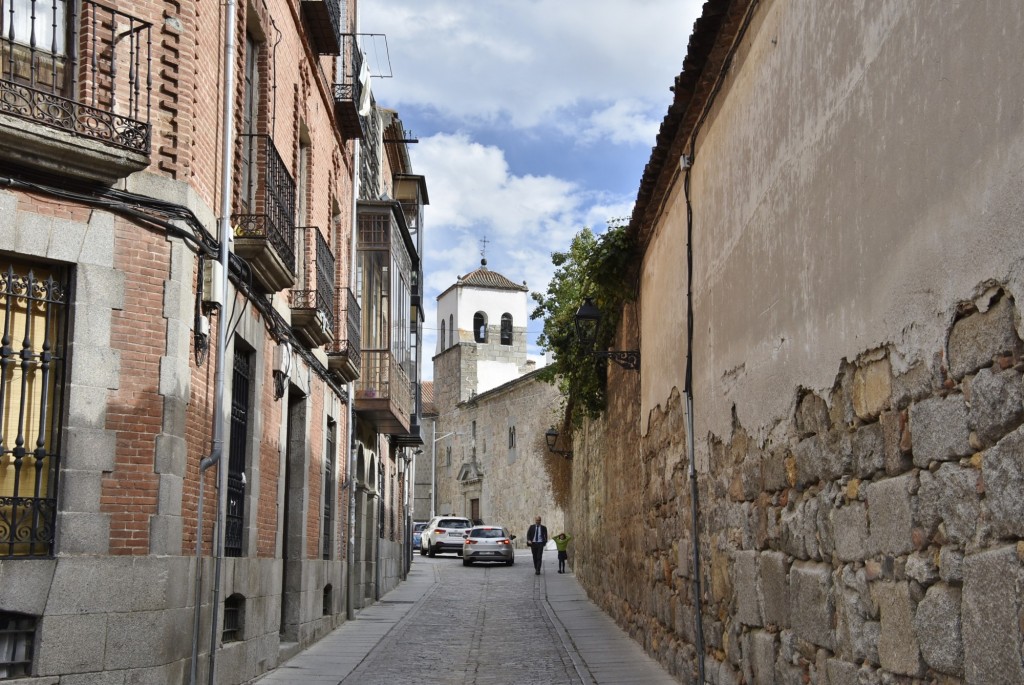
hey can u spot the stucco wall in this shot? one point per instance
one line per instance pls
(859, 174)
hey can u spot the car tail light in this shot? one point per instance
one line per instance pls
(506, 542)
(439, 530)
(470, 541)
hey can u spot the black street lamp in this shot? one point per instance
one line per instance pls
(551, 437)
(588, 323)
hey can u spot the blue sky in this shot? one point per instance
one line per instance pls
(535, 118)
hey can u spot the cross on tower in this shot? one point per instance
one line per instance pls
(483, 247)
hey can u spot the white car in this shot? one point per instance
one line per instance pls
(444, 534)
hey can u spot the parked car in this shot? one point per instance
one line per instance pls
(417, 532)
(488, 543)
(444, 534)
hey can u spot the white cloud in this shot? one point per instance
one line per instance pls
(473, 195)
(530, 63)
(588, 78)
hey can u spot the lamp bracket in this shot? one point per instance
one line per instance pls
(627, 359)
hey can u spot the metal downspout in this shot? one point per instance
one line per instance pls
(350, 607)
(217, 453)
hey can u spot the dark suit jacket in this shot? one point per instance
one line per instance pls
(543, 534)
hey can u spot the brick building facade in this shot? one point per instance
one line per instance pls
(841, 182)
(232, 508)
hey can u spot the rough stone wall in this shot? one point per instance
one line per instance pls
(874, 538)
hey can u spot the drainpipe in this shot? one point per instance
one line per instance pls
(350, 607)
(433, 467)
(217, 437)
(378, 521)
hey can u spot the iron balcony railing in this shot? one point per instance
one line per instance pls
(80, 67)
(318, 293)
(348, 94)
(383, 378)
(268, 197)
(323, 24)
(348, 331)
(370, 156)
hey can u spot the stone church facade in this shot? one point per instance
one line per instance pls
(491, 460)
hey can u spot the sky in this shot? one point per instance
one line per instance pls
(535, 118)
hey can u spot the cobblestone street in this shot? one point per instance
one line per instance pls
(480, 624)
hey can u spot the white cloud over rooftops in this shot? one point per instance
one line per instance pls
(546, 57)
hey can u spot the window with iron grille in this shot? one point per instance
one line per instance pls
(17, 637)
(381, 521)
(330, 459)
(241, 406)
(234, 618)
(33, 325)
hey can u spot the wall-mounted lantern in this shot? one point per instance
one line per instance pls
(551, 437)
(588, 323)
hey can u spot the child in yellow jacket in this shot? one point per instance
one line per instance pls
(562, 544)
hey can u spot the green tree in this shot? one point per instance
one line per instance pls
(602, 268)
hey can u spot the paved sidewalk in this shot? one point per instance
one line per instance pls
(602, 653)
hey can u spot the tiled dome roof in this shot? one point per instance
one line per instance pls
(485, 278)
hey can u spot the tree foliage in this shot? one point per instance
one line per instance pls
(599, 267)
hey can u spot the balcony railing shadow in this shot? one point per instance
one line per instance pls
(313, 306)
(265, 228)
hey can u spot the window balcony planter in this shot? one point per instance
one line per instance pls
(264, 229)
(74, 89)
(313, 306)
(343, 356)
(323, 25)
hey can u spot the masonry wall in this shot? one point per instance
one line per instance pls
(857, 380)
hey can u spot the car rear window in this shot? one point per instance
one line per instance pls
(487, 533)
(452, 523)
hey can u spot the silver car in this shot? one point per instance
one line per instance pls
(488, 543)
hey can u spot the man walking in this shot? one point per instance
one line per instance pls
(537, 537)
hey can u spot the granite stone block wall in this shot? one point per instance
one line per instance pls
(876, 535)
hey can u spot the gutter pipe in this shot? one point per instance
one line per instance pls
(217, 440)
(353, 443)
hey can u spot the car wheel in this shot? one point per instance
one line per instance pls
(459, 552)
(466, 562)
(423, 552)
(432, 552)
(510, 561)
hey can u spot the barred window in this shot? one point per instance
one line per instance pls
(33, 317)
(17, 635)
(234, 618)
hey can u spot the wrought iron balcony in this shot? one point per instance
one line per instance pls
(265, 228)
(75, 87)
(323, 23)
(343, 356)
(384, 393)
(348, 95)
(313, 307)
